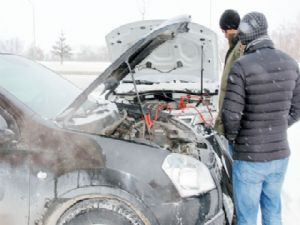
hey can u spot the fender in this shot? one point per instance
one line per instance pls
(94, 184)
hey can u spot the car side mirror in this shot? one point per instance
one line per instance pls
(6, 134)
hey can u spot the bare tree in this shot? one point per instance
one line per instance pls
(61, 49)
(35, 53)
(287, 38)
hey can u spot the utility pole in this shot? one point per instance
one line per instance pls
(33, 28)
(142, 8)
(210, 14)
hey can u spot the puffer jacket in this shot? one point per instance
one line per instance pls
(261, 101)
(234, 52)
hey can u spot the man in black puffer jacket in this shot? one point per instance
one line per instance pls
(261, 101)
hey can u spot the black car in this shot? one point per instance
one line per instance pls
(69, 157)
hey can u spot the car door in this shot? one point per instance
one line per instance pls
(14, 174)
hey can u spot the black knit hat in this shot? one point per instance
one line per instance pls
(230, 19)
(252, 26)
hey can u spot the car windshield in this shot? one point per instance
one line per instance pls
(44, 91)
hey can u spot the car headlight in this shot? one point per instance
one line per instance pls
(189, 175)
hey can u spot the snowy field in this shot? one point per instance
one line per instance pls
(71, 67)
(82, 73)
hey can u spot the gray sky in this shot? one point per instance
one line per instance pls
(87, 21)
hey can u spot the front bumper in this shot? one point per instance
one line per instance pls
(218, 219)
(202, 210)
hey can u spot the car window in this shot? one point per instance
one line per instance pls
(39, 88)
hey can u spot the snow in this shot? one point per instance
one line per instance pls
(74, 67)
(291, 187)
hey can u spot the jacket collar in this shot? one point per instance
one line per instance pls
(233, 40)
(259, 43)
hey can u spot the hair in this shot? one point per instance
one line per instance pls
(230, 19)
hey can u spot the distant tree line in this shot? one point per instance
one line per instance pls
(61, 51)
(286, 38)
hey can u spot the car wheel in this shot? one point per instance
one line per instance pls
(102, 211)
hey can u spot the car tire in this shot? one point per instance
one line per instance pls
(105, 210)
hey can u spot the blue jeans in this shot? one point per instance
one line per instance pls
(258, 184)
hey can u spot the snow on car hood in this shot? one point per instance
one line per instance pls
(180, 59)
(132, 57)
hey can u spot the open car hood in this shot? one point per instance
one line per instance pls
(131, 57)
(182, 58)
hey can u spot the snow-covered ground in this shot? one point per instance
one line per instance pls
(291, 188)
(77, 68)
(81, 74)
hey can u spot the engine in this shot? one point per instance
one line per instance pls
(180, 124)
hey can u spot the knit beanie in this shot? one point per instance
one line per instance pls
(252, 26)
(230, 19)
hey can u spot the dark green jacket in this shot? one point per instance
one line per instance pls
(234, 52)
